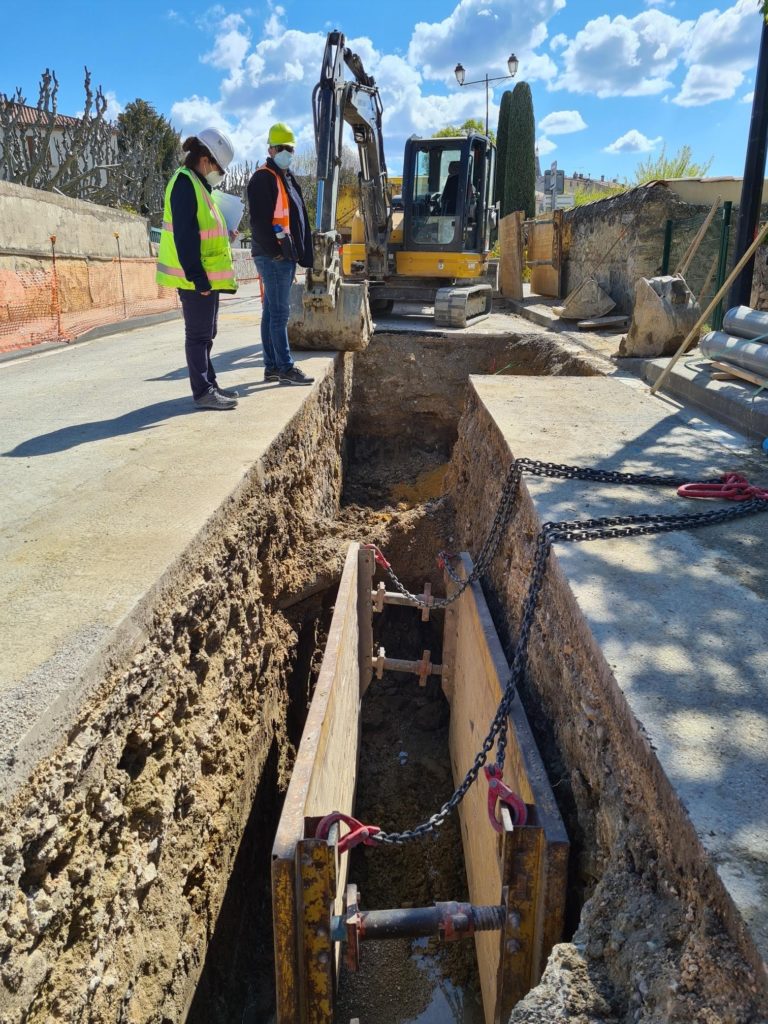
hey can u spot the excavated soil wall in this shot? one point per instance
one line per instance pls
(117, 853)
(656, 939)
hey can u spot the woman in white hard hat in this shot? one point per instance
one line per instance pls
(195, 257)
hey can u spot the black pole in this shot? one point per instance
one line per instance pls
(754, 175)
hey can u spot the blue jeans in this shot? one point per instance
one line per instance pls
(276, 278)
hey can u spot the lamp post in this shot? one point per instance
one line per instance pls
(512, 64)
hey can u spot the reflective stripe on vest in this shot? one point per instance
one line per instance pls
(281, 215)
(215, 233)
(215, 252)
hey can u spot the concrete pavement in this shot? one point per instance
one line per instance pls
(107, 472)
(680, 618)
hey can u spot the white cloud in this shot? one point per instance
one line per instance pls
(545, 146)
(624, 56)
(748, 97)
(633, 141)
(480, 34)
(231, 44)
(728, 39)
(114, 106)
(621, 56)
(558, 41)
(561, 122)
(705, 84)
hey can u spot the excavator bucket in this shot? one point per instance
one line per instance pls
(341, 322)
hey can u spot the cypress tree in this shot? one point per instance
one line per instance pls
(502, 137)
(520, 160)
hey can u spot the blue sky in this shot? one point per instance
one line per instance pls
(611, 81)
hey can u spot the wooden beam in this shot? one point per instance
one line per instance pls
(323, 780)
(476, 671)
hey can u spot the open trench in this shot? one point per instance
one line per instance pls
(135, 881)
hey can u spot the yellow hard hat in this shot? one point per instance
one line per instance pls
(281, 135)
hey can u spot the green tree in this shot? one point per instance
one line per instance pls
(471, 126)
(149, 153)
(520, 155)
(662, 166)
(502, 136)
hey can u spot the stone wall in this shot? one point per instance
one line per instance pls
(641, 215)
(29, 216)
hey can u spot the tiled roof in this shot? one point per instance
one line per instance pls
(33, 116)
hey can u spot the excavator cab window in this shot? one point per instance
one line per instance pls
(436, 174)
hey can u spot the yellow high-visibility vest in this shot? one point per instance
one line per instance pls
(215, 251)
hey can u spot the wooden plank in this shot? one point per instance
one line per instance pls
(323, 779)
(511, 262)
(738, 371)
(477, 668)
(599, 322)
(545, 244)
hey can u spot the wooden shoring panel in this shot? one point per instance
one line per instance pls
(477, 675)
(545, 242)
(323, 780)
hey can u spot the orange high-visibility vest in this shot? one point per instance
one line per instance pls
(281, 215)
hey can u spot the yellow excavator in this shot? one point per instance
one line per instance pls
(433, 250)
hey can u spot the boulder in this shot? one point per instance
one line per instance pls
(665, 312)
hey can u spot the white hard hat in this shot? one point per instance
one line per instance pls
(220, 147)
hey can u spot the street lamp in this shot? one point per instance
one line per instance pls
(512, 63)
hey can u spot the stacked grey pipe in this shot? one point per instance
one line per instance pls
(742, 342)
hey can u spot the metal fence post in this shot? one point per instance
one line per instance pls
(722, 265)
(55, 304)
(667, 248)
(120, 267)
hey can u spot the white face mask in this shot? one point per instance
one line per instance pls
(283, 159)
(214, 178)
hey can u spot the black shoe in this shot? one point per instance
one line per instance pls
(271, 376)
(227, 394)
(295, 376)
(214, 399)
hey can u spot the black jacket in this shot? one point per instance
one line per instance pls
(262, 197)
(186, 230)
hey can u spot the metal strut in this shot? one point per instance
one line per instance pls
(449, 921)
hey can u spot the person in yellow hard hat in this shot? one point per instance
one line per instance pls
(195, 257)
(281, 240)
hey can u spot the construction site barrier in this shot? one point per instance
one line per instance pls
(50, 297)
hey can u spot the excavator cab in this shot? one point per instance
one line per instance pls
(447, 196)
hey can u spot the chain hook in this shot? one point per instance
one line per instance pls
(499, 792)
(358, 832)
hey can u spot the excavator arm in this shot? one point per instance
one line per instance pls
(327, 312)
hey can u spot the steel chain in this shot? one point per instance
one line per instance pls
(570, 531)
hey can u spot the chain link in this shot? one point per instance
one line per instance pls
(570, 531)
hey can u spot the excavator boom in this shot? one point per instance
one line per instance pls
(327, 312)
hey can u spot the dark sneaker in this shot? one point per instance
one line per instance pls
(295, 376)
(214, 399)
(227, 394)
(271, 376)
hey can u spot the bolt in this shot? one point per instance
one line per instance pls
(322, 958)
(513, 946)
(513, 920)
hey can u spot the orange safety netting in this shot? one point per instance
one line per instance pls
(64, 299)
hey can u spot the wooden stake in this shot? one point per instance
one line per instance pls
(698, 239)
(708, 278)
(702, 319)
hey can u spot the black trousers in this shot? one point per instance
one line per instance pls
(201, 313)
